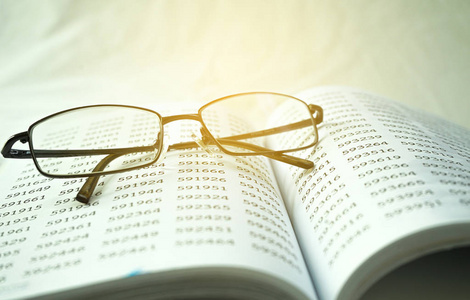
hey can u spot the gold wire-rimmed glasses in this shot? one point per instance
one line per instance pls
(96, 140)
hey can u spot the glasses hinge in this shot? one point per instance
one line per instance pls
(317, 112)
(14, 153)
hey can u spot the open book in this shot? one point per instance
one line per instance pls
(389, 184)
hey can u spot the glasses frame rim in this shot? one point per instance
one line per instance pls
(226, 151)
(99, 173)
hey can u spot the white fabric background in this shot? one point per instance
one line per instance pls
(59, 54)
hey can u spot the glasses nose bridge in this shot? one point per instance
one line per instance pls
(169, 119)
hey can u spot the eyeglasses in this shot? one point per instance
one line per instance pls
(96, 140)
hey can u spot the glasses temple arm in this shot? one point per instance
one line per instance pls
(89, 186)
(72, 153)
(292, 160)
(315, 110)
(7, 150)
(87, 189)
(13, 153)
(23, 137)
(275, 130)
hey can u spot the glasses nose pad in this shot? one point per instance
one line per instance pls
(166, 144)
(201, 143)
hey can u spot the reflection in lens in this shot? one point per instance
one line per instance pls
(80, 141)
(277, 122)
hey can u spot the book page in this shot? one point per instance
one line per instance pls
(389, 184)
(190, 211)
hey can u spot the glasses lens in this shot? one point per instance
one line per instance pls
(96, 139)
(243, 123)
